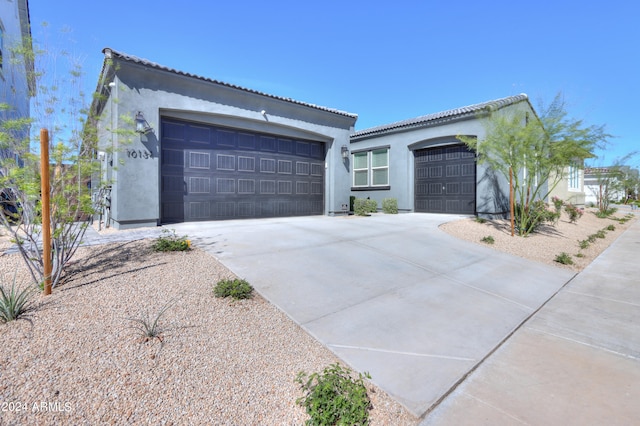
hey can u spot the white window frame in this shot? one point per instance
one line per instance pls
(573, 178)
(370, 168)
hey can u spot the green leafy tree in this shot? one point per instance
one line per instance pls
(615, 183)
(58, 105)
(536, 150)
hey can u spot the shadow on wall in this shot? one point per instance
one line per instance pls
(493, 202)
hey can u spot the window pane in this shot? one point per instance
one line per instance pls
(360, 178)
(381, 177)
(379, 158)
(360, 160)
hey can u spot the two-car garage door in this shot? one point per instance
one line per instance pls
(212, 173)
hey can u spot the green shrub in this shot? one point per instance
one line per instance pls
(488, 239)
(603, 214)
(390, 206)
(583, 244)
(15, 303)
(234, 288)
(601, 234)
(334, 397)
(528, 220)
(564, 258)
(574, 212)
(611, 227)
(592, 238)
(364, 206)
(169, 241)
(480, 219)
(557, 203)
(579, 255)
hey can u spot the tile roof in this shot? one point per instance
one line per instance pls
(431, 119)
(110, 53)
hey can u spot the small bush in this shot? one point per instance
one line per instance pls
(535, 217)
(334, 397)
(488, 239)
(169, 241)
(389, 206)
(557, 203)
(603, 214)
(234, 288)
(364, 206)
(480, 219)
(574, 213)
(579, 255)
(583, 244)
(564, 258)
(592, 238)
(14, 303)
(611, 227)
(601, 234)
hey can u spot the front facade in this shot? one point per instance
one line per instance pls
(16, 77)
(429, 169)
(212, 150)
(208, 150)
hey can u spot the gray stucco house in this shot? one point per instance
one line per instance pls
(16, 76)
(209, 150)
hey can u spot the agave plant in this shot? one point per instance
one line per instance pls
(14, 303)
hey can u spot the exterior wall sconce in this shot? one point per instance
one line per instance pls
(345, 152)
(142, 126)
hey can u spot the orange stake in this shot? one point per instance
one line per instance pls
(46, 211)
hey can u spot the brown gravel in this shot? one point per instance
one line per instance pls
(550, 241)
(77, 360)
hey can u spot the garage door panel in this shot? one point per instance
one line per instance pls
(239, 174)
(445, 180)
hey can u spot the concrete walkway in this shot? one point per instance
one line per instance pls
(388, 294)
(575, 362)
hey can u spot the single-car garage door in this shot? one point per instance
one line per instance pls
(445, 180)
(212, 173)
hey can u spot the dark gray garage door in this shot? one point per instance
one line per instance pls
(211, 173)
(445, 180)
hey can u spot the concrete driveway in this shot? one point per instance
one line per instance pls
(388, 294)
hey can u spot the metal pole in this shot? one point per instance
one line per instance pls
(46, 209)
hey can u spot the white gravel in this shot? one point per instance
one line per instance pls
(77, 360)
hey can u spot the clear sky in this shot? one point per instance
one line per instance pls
(385, 61)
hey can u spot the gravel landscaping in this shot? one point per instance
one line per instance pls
(78, 358)
(550, 241)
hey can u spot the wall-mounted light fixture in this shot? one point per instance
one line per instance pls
(142, 126)
(345, 152)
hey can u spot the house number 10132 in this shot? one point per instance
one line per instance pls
(138, 153)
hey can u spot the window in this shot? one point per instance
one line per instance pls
(371, 168)
(574, 178)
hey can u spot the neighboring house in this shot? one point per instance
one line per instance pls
(608, 182)
(209, 150)
(16, 76)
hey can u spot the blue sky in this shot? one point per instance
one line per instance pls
(385, 61)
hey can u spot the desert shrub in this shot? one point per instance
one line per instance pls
(583, 244)
(390, 205)
(234, 288)
(564, 258)
(603, 214)
(364, 206)
(579, 255)
(601, 234)
(611, 227)
(488, 239)
(14, 303)
(557, 203)
(480, 219)
(148, 327)
(334, 397)
(528, 220)
(574, 212)
(169, 241)
(592, 238)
